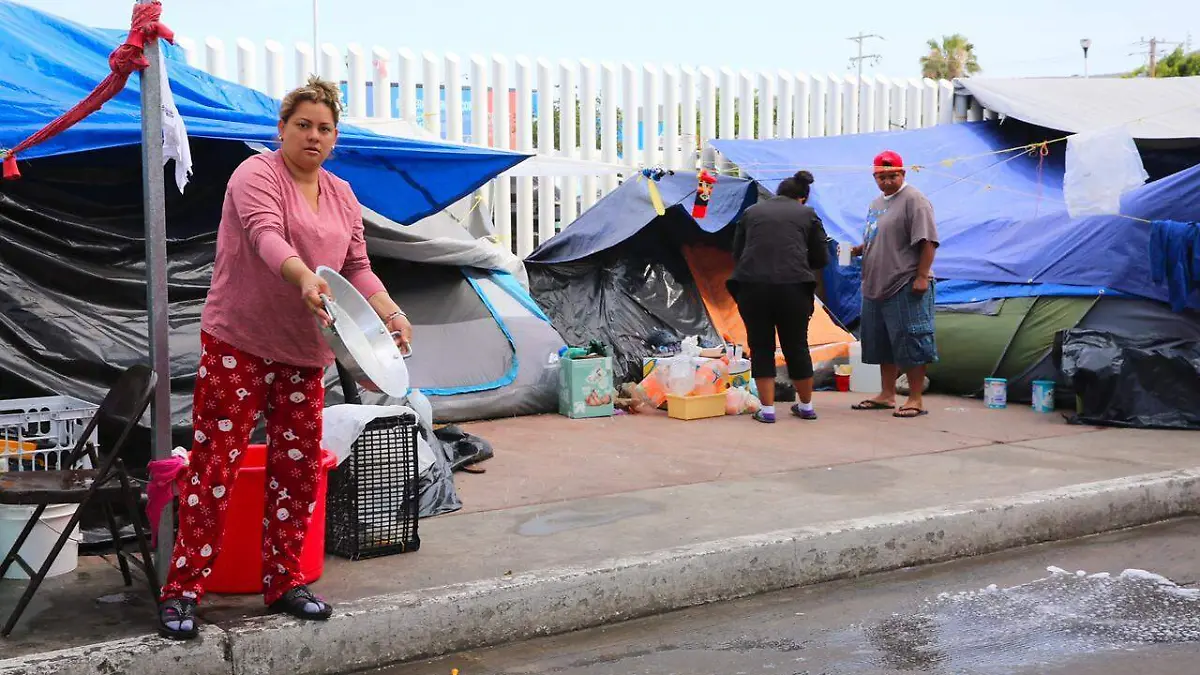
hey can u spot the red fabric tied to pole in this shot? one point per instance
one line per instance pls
(124, 60)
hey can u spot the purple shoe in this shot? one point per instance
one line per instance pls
(764, 417)
(803, 414)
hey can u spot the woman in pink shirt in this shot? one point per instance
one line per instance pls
(262, 353)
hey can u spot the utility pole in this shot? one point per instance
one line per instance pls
(857, 61)
(1152, 45)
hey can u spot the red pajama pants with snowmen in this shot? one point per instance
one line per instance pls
(233, 392)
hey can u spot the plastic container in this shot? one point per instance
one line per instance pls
(841, 382)
(1043, 396)
(864, 377)
(54, 519)
(695, 407)
(995, 392)
(238, 568)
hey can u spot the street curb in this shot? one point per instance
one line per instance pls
(384, 630)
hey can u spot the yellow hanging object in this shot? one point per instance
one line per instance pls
(656, 198)
(947, 163)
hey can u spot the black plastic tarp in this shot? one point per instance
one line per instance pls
(623, 294)
(1142, 382)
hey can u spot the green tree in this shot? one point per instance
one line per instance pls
(953, 57)
(1175, 64)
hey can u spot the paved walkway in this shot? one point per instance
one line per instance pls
(574, 492)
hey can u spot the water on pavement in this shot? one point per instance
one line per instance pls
(1015, 613)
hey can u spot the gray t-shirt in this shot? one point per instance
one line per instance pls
(896, 227)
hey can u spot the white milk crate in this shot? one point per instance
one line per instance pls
(37, 434)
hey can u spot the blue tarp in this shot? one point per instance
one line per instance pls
(625, 211)
(1000, 222)
(49, 64)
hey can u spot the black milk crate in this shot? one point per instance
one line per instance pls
(373, 501)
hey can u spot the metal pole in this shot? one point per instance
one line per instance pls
(154, 208)
(316, 42)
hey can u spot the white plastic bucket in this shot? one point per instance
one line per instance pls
(865, 378)
(53, 521)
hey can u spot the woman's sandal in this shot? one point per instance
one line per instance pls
(870, 404)
(302, 604)
(177, 619)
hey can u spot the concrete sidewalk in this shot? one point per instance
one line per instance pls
(583, 522)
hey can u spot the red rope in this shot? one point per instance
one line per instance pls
(124, 60)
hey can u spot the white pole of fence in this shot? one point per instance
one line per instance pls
(566, 140)
(708, 117)
(816, 101)
(331, 63)
(866, 110)
(524, 120)
(881, 112)
(356, 81)
(454, 106)
(608, 122)
(629, 126)
(276, 87)
(214, 56)
(431, 95)
(189, 50)
(802, 108)
(787, 102)
(246, 64)
(545, 147)
(765, 124)
(945, 102)
(479, 101)
(745, 105)
(670, 138)
(381, 83)
(589, 92)
(912, 108)
(306, 63)
(407, 75)
(833, 106)
(850, 102)
(502, 138)
(899, 99)
(650, 85)
(688, 141)
(929, 102)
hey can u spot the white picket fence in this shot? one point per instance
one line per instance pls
(615, 104)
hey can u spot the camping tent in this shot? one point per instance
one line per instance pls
(621, 272)
(1013, 266)
(72, 270)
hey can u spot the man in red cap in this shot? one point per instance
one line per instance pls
(898, 247)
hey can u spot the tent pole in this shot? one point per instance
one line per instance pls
(155, 213)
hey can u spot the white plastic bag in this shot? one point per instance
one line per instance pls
(1101, 166)
(344, 423)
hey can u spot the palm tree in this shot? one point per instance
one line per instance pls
(953, 57)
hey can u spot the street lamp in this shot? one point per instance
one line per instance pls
(1086, 44)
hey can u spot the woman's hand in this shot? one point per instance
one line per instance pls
(312, 287)
(400, 324)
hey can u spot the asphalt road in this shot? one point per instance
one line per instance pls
(1005, 614)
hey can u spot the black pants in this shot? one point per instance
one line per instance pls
(783, 308)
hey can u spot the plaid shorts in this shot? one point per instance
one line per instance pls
(899, 329)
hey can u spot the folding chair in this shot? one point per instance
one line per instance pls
(109, 483)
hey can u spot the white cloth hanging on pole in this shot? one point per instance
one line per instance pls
(175, 137)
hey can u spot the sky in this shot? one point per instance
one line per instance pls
(1014, 38)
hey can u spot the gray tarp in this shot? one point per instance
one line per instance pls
(1153, 109)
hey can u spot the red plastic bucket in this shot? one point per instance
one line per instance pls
(239, 567)
(842, 382)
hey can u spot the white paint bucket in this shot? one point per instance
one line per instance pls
(53, 521)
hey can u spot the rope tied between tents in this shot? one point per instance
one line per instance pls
(130, 56)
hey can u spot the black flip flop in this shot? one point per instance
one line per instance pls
(872, 405)
(302, 604)
(920, 411)
(182, 613)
